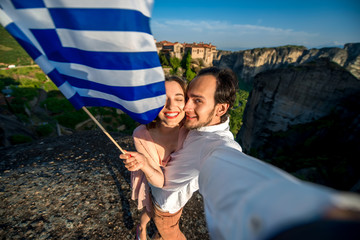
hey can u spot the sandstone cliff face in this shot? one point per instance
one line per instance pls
(247, 64)
(288, 109)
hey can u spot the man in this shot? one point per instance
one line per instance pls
(244, 197)
(181, 176)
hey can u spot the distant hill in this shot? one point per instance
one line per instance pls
(11, 52)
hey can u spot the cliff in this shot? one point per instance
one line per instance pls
(248, 63)
(306, 116)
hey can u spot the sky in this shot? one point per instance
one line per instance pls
(246, 24)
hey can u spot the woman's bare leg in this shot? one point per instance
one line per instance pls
(144, 220)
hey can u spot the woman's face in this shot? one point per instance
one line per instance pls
(173, 112)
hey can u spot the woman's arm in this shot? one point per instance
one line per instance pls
(136, 161)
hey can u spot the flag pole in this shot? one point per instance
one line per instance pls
(103, 129)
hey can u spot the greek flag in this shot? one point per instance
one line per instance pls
(98, 53)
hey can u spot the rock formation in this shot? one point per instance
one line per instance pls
(310, 110)
(248, 63)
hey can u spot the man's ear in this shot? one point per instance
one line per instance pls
(221, 109)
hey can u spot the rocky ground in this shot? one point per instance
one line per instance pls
(75, 187)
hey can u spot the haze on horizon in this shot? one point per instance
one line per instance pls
(236, 25)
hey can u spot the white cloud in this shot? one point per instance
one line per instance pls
(228, 35)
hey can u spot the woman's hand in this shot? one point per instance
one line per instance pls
(133, 160)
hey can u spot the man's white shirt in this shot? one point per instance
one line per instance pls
(244, 198)
(182, 171)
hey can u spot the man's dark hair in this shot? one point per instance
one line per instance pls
(226, 86)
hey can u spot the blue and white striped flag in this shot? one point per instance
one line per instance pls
(98, 53)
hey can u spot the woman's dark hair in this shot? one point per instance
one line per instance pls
(182, 84)
(177, 79)
(226, 86)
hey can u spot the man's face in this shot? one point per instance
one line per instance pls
(200, 107)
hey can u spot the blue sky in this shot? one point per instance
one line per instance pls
(236, 25)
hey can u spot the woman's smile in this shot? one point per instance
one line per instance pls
(171, 115)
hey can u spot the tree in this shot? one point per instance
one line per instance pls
(186, 61)
(175, 62)
(163, 60)
(190, 74)
(236, 113)
(174, 71)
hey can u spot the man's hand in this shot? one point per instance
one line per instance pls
(133, 160)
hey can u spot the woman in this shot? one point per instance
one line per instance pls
(157, 141)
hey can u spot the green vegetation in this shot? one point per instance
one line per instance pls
(44, 130)
(186, 64)
(11, 52)
(190, 74)
(180, 68)
(175, 62)
(175, 66)
(7, 81)
(186, 61)
(26, 77)
(57, 105)
(18, 139)
(163, 60)
(128, 122)
(71, 119)
(24, 93)
(24, 85)
(237, 112)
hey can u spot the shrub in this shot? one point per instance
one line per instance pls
(55, 94)
(190, 74)
(18, 139)
(110, 129)
(129, 123)
(71, 119)
(44, 130)
(175, 62)
(107, 119)
(163, 60)
(23, 117)
(6, 81)
(29, 83)
(25, 93)
(237, 112)
(101, 110)
(186, 61)
(40, 76)
(17, 106)
(57, 105)
(174, 71)
(50, 86)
